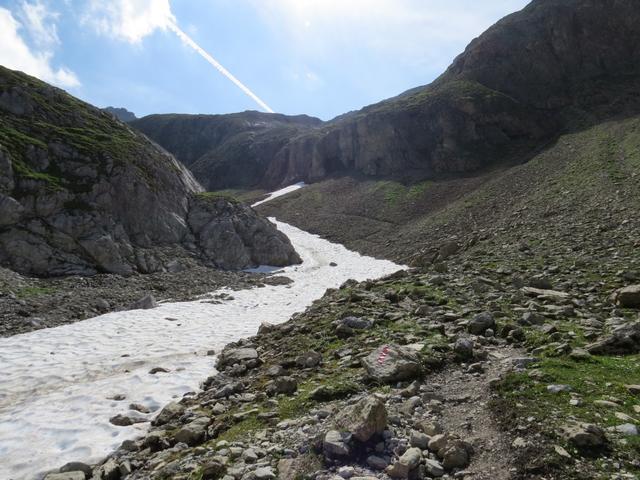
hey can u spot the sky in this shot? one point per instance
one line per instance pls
(318, 57)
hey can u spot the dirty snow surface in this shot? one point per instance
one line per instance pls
(280, 193)
(56, 384)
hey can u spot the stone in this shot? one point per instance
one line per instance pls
(558, 388)
(480, 323)
(232, 356)
(284, 385)
(213, 471)
(364, 419)
(407, 463)
(264, 473)
(77, 467)
(65, 476)
(376, 462)
(309, 359)
(171, 411)
(463, 348)
(456, 454)
(109, 470)
(633, 389)
(194, 433)
(628, 429)
(357, 323)
(419, 440)
(121, 420)
(532, 318)
(624, 340)
(392, 363)
(335, 444)
(627, 297)
(434, 468)
(586, 436)
(145, 303)
(346, 472)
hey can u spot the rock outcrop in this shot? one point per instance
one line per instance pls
(81, 193)
(556, 65)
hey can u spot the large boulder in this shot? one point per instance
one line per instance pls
(623, 340)
(628, 297)
(392, 363)
(232, 356)
(364, 419)
(481, 323)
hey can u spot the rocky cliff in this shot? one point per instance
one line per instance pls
(226, 150)
(81, 193)
(557, 65)
(121, 114)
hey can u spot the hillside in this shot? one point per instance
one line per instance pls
(226, 151)
(555, 66)
(81, 193)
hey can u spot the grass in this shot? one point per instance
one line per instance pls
(30, 292)
(600, 378)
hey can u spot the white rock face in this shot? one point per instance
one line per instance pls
(55, 384)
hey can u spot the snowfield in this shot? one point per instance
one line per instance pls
(58, 386)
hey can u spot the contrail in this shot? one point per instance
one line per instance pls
(188, 40)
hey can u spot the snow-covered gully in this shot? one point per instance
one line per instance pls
(59, 387)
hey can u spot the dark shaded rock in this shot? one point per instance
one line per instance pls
(628, 297)
(145, 303)
(481, 323)
(623, 340)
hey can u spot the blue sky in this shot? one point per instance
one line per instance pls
(320, 57)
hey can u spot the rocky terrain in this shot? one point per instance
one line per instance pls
(556, 66)
(81, 193)
(522, 363)
(212, 146)
(121, 114)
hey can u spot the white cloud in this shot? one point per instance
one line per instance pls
(414, 31)
(40, 23)
(17, 55)
(129, 20)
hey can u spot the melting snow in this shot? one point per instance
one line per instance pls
(55, 384)
(280, 193)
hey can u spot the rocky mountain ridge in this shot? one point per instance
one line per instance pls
(555, 66)
(82, 193)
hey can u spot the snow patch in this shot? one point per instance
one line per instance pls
(56, 384)
(281, 192)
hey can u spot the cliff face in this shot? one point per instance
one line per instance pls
(554, 66)
(225, 150)
(81, 193)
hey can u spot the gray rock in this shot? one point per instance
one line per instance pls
(65, 476)
(434, 468)
(309, 359)
(357, 323)
(626, 429)
(419, 440)
(392, 363)
(364, 419)
(335, 444)
(628, 297)
(232, 356)
(286, 385)
(463, 348)
(168, 413)
(622, 341)
(145, 303)
(264, 473)
(480, 323)
(406, 464)
(194, 433)
(586, 436)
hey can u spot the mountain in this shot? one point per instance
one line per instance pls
(81, 193)
(121, 114)
(555, 66)
(223, 151)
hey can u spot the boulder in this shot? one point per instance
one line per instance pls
(194, 433)
(407, 463)
(364, 419)
(624, 340)
(335, 444)
(392, 363)
(65, 476)
(309, 359)
(586, 436)
(171, 411)
(145, 303)
(628, 297)
(481, 323)
(232, 356)
(286, 385)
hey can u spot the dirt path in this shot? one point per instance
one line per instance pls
(466, 413)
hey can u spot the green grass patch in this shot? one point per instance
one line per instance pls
(30, 292)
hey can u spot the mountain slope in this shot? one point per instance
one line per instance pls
(555, 66)
(225, 150)
(81, 193)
